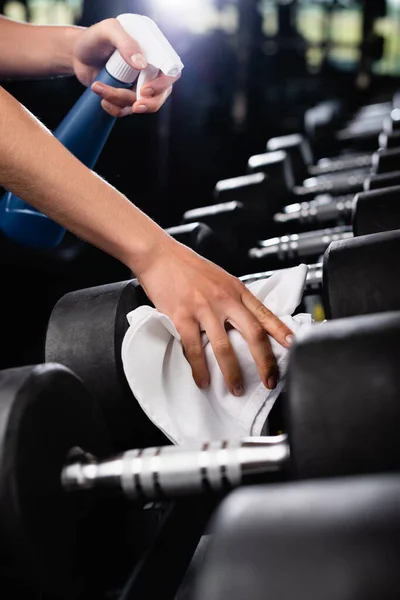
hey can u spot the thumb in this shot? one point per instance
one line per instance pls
(125, 44)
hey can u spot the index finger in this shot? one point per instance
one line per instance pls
(270, 322)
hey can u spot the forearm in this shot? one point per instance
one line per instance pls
(35, 50)
(36, 167)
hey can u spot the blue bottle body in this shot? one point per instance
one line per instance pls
(84, 131)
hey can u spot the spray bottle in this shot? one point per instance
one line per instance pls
(85, 129)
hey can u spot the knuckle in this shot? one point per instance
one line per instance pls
(222, 346)
(194, 351)
(241, 287)
(221, 294)
(263, 313)
(199, 303)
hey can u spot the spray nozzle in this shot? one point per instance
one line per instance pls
(155, 47)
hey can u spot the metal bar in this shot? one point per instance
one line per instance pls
(174, 471)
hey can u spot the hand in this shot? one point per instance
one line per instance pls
(199, 296)
(92, 49)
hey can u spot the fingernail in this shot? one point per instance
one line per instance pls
(98, 86)
(271, 383)
(204, 384)
(149, 92)
(140, 108)
(238, 390)
(106, 105)
(138, 61)
(289, 339)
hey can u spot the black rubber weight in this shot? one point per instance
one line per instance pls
(44, 412)
(361, 275)
(85, 333)
(343, 413)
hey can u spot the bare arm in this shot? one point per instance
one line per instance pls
(35, 166)
(35, 50)
(196, 294)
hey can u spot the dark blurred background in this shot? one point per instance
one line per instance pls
(252, 67)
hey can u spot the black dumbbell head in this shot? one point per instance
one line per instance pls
(387, 141)
(247, 188)
(85, 333)
(343, 384)
(385, 161)
(278, 168)
(299, 150)
(392, 122)
(335, 540)
(44, 412)
(376, 211)
(360, 275)
(376, 182)
(322, 120)
(203, 240)
(216, 215)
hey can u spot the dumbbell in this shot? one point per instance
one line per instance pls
(356, 276)
(45, 412)
(240, 226)
(344, 421)
(268, 195)
(57, 546)
(335, 539)
(372, 212)
(87, 327)
(336, 420)
(326, 211)
(386, 138)
(336, 184)
(300, 152)
(289, 161)
(325, 129)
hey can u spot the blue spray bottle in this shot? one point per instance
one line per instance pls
(85, 129)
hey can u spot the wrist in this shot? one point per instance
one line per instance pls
(65, 40)
(149, 248)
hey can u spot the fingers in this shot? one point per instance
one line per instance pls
(259, 345)
(151, 105)
(116, 101)
(158, 86)
(115, 111)
(194, 353)
(120, 102)
(226, 357)
(125, 44)
(270, 322)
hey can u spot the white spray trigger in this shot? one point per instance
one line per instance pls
(148, 74)
(156, 49)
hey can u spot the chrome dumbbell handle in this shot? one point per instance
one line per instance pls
(173, 471)
(336, 185)
(327, 166)
(298, 245)
(323, 209)
(313, 279)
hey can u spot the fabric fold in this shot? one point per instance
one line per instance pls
(161, 379)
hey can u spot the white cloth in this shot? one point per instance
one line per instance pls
(161, 379)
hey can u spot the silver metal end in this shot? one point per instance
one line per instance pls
(173, 471)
